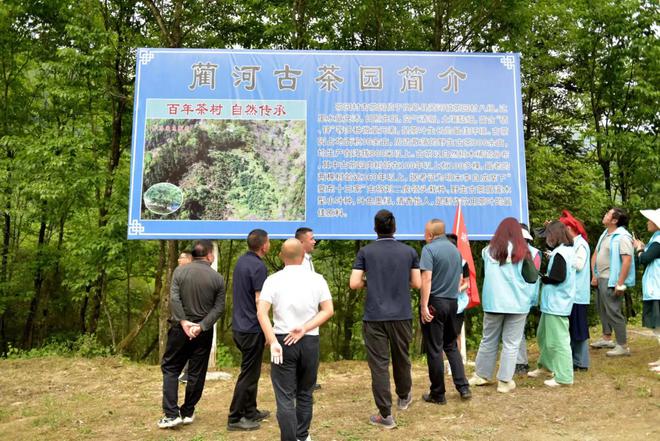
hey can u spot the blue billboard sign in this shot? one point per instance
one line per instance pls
(225, 141)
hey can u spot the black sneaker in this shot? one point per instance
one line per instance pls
(261, 415)
(522, 369)
(465, 394)
(580, 369)
(429, 399)
(316, 387)
(243, 424)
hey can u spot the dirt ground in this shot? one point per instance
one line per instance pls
(114, 399)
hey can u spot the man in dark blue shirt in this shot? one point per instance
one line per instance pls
(249, 275)
(391, 269)
(441, 266)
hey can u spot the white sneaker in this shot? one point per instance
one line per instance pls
(618, 351)
(602, 343)
(168, 423)
(655, 363)
(506, 386)
(539, 372)
(476, 380)
(309, 438)
(188, 420)
(552, 383)
(655, 369)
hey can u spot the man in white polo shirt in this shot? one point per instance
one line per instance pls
(295, 293)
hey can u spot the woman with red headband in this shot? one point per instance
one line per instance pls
(577, 321)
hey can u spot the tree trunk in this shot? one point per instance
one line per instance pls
(150, 349)
(155, 301)
(119, 104)
(228, 293)
(299, 21)
(349, 319)
(163, 320)
(28, 331)
(440, 9)
(83, 309)
(53, 284)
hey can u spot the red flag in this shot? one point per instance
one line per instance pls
(464, 248)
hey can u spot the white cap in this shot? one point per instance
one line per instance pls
(652, 215)
(526, 234)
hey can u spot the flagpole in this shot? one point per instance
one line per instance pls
(463, 348)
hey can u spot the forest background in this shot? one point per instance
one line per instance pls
(70, 281)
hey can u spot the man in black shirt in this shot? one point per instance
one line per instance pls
(391, 269)
(197, 298)
(249, 275)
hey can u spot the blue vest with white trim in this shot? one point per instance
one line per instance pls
(582, 277)
(558, 299)
(651, 278)
(504, 291)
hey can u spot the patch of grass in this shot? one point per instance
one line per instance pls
(348, 436)
(644, 392)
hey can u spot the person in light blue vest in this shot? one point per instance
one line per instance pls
(522, 362)
(557, 297)
(578, 320)
(506, 299)
(649, 256)
(613, 271)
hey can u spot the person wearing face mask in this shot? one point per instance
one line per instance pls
(557, 297)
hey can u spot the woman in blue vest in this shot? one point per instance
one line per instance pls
(506, 299)
(578, 325)
(649, 256)
(522, 363)
(557, 296)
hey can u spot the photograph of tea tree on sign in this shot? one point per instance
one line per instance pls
(224, 170)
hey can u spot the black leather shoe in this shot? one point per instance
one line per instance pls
(429, 399)
(243, 424)
(465, 394)
(261, 415)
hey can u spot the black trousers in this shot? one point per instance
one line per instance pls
(244, 402)
(179, 350)
(293, 383)
(381, 339)
(440, 335)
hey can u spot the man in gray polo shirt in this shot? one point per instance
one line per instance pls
(441, 267)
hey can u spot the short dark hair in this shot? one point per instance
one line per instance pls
(452, 238)
(256, 239)
(621, 217)
(300, 232)
(556, 234)
(384, 223)
(202, 248)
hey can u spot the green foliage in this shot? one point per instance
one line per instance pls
(224, 357)
(590, 92)
(86, 345)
